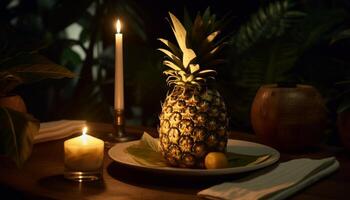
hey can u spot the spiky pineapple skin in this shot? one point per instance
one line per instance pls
(193, 122)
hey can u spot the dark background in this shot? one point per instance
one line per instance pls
(315, 59)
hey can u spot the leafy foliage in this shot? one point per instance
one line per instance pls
(274, 46)
(271, 21)
(345, 34)
(27, 68)
(21, 63)
(92, 92)
(17, 132)
(83, 54)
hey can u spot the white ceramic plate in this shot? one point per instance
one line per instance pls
(118, 154)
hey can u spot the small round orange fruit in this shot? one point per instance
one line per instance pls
(215, 160)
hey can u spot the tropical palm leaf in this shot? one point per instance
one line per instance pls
(268, 22)
(268, 65)
(319, 26)
(345, 34)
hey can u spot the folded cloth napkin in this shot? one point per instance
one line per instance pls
(278, 183)
(58, 129)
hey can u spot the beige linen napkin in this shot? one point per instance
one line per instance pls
(58, 129)
(278, 183)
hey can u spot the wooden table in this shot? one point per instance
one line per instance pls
(41, 177)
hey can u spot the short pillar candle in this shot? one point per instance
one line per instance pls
(83, 157)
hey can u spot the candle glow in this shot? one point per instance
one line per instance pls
(118, 25)
(85, 129)
(83, 153)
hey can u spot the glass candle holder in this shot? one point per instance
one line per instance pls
(83, 158)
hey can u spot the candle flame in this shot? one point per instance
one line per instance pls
(118, 26)
(85, 129)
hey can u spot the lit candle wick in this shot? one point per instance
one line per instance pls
(85, 129)
(118, 26)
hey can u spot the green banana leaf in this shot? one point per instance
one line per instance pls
(28, 68)
(147, 153)
(17, 132)
(34, 67)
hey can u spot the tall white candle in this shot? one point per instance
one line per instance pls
(119, 79)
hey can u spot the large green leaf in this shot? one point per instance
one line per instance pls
(17, 132)
(69, 56)
(341, 36)
(34, 67)
(145, 155)
(268, 22)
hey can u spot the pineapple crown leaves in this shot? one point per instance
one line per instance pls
(197, 48)
(268, 22)
(180, 34)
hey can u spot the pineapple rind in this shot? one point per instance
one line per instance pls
(192, 123)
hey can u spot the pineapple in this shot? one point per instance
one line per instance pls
(193, 120)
